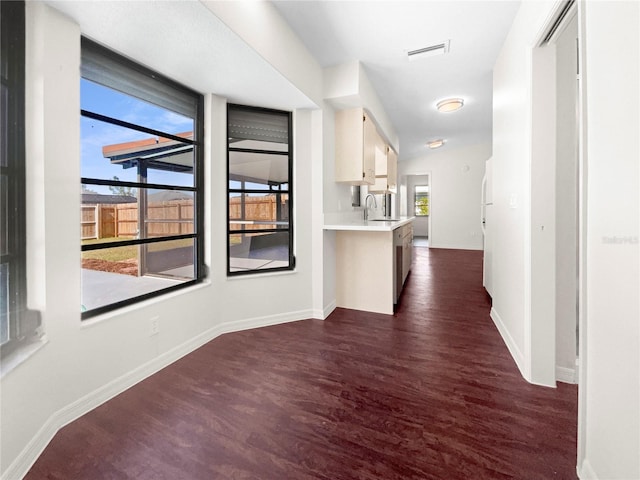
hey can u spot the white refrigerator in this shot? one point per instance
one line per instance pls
(486, 219)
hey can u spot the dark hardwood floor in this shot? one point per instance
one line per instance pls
(429, 393)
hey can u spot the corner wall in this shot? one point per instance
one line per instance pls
(609, 391)
(85, 363)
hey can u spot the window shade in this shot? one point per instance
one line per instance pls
(101, 66)
(254, 125)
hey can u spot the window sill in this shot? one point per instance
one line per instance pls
(142, 304)
(258, 274)
(20, 355)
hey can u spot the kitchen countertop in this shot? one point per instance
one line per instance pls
(371, 225)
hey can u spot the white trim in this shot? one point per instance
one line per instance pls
(586, 471)
(509, 341)
(582, 363)
(566, 375)
(27, 457)
(328, 310)
(33, 449)
(568, 17)
(525, 366)
(552, 17)
(325, 312)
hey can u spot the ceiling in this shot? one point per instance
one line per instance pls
(379, 34)
(167, 36)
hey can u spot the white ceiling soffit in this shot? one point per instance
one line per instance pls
(380, 33)
(186, 42)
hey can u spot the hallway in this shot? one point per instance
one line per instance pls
(429, 393)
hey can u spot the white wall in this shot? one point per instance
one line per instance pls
(260, 25)
(347, 85)
(85, 363)
(456, 181)
(263, 29)
(609, 423)
(512, 154)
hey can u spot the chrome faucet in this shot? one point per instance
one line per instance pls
(366, 210)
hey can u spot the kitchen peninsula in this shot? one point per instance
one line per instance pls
(373, 259)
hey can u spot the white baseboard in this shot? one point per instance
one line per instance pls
(328, 310)
(515, 352)
(586, 472)
(30, 453)
(325, 312)
(25, 460)
(566, 375)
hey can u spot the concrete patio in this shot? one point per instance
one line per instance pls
(104, 288)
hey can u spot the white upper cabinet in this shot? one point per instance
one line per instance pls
(381, 156)
(356, 140)
(386, 172)
(392, 170)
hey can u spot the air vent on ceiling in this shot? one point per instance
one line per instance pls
(430, 51)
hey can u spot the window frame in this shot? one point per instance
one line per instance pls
(289, 191)
(22, 324)
(116, 63)
(415, 200)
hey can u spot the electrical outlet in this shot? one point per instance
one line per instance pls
(155, 326)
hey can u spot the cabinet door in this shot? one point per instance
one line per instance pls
(392, 170)
(387, 182)
(349, 132)
(381, 157)
(379, 186)
(406, 257)
(369, 157)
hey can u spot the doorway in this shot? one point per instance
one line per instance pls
(555, 201)
(418, 204)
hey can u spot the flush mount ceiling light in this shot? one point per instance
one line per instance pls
(430, 51)
(450, 105)
(435, 143)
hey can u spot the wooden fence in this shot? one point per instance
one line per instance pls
(98, 221)
(170, 218)
(258, 209)
(121, 220)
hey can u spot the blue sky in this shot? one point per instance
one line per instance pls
(94, 134)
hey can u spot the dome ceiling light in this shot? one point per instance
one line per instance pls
(450, 105)
(435, 143)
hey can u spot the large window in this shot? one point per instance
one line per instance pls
(260, 200)
(17, 323)
(141, 218)
(421, 200)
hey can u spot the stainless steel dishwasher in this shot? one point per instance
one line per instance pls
(398, 261)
